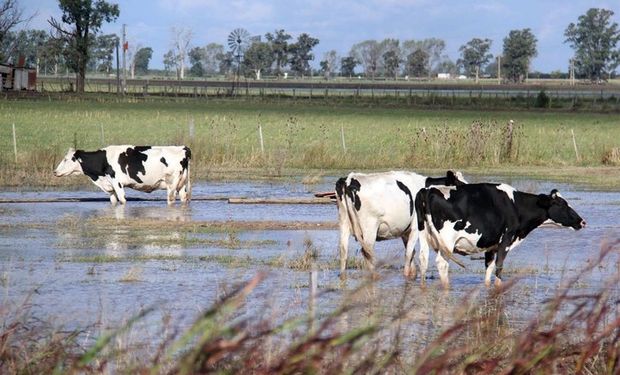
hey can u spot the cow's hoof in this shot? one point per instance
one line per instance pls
(498, 282)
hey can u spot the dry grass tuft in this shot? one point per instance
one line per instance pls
(611, 157)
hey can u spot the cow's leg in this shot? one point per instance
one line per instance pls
(489, 263)
(343, 244)
(368, 251)
(409, 241)
(119, 191)
(502, 251)
(423, 257)
(113, 199)
(442, 267)
(172, 194)
(185, 189)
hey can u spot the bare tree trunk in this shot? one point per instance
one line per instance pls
(477, 73)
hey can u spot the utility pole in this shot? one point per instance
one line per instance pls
(118, 71)
(499, 69)
(125, 45)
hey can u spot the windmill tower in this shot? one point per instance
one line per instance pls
(238, 42)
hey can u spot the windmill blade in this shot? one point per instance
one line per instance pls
(239, 40)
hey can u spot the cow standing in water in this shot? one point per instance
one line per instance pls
(380, 206)
(143, 168)
(488, 218)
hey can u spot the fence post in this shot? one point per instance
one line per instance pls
(102, 137)
(344, 146)
(312, 298)
(575, 146)
(14, 143)
(191, 129)
(260, 136)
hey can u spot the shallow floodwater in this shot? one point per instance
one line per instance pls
(46, 267)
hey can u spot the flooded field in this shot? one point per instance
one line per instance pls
(91, 266)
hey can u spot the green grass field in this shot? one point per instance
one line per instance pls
(306, 136)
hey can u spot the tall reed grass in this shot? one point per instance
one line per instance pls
(575, 331)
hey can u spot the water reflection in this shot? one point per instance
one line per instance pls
(174, 213)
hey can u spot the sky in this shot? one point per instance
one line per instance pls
(338, 24)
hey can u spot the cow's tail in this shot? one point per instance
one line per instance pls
(425, 222)
(345, 206)
(188, 180)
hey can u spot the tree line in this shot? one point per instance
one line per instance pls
(75, 44)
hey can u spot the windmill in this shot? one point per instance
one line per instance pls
(238, 42)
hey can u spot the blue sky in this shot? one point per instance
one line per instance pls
(338, 24)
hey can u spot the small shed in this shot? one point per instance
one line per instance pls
(18, 78)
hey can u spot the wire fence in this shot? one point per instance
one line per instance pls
(325, 90)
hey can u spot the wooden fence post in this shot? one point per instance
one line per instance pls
(14, 143)
(260, 136)
(344, 146)
(575, 146)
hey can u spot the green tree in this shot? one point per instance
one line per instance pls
(447, 66)
(170, 63)
(347, 66)
(27, 43)
(417, 63)
(519, 49)
(11, 15)
(368, 53)
(594, 39)
(103, 53)
(474, 55)
(280, 48)
(81, 19)
(258, 58)
(227, 61)
(301, 54)
(213, 52)
(391, 61)
(196, 57)
(52, 55)
(142, 59)
(433, 47)
(328, 64)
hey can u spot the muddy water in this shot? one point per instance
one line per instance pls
(54, 270)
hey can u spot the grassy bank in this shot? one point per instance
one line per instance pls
(304, 137)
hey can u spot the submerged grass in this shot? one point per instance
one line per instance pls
(574, 331)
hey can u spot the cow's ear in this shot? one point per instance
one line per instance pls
(450, 178)
(554, 193)
(544, 201)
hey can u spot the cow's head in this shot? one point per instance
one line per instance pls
(559, 213)
(69, 165)
(455, 178)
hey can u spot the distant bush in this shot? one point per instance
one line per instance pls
(542, 100)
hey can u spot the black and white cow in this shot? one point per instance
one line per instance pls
(380, 206)
(489, 218)
(144, 168)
